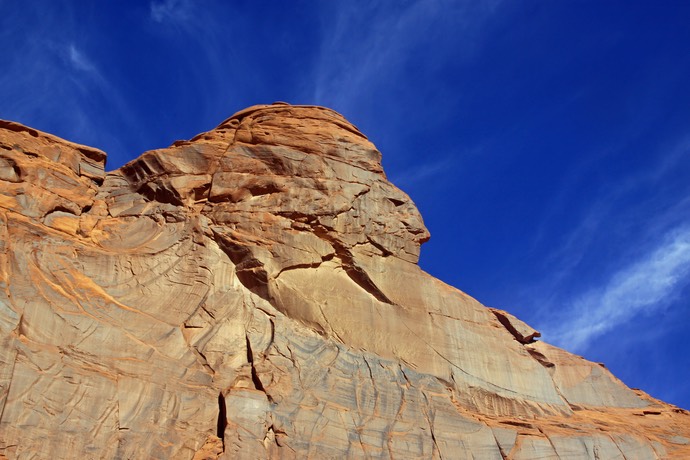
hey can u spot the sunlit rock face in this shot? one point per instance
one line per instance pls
(254, 293)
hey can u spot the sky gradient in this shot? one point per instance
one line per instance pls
(546, 143)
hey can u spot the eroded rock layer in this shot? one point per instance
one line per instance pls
(255, 293)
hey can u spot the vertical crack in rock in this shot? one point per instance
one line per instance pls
(5, 397)
(429, 416)
(374, 388)
(617, 446)
(550, 442)
(500, 450)
(433, 438)
(222, 419)
(269, 438)
(408, 383)
(258, 385)
(203, 359)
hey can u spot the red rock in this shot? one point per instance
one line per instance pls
(255, 293)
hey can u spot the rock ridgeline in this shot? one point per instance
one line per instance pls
(254, 293)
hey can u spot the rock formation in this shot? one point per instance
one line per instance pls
(254, 293)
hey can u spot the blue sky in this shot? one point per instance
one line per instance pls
(546, 143)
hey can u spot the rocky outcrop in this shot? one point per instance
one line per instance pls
(254, 293)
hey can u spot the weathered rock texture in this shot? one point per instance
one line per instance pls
(254, 293)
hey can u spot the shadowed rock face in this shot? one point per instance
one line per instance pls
(254, 293)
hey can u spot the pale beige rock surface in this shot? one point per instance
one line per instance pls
(254, 293)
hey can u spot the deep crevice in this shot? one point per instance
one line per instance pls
(396, 202)
(359, 276)
(222, 419)
(61, 208)
(249, 270)
(498, 444)
(384, 252)
(255, 377)
(505, 321)
(153, 191)
(540, 358)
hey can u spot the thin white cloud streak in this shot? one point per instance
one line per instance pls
(51, 82)
(90, 78)
(364, 48)
(174, 11)
(367, 48)
(649, 220)
(641, 277)
(80, 61)
(422, 172)
(203, 33)
(643, 287)
(668, 158)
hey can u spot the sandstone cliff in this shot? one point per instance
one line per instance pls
(254, 293)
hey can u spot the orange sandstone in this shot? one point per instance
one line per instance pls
(255, 293)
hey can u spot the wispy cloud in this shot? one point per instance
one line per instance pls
(641, 223)
(637, 205)
(173, 11)
(422, 172)
(80, 61)
(369, 52)
(202, 33)
(366, 47)
(52, 80)
(643, 287)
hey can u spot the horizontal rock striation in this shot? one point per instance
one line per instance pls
(254, 293)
